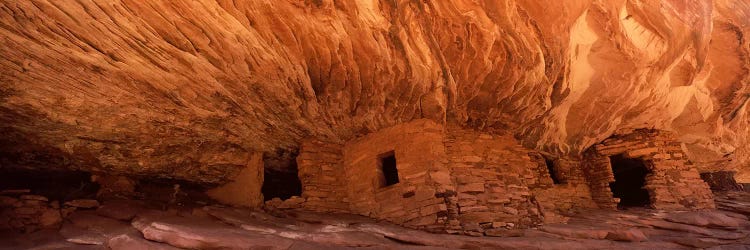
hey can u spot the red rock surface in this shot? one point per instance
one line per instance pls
(216, 227)
(188, 89)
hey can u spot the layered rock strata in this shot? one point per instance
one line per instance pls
(190, 90)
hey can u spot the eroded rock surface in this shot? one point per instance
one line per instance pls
(218, 227)
(190, 89)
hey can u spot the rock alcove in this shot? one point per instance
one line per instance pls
(145, 122)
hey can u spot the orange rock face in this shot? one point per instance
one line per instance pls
(190, 89)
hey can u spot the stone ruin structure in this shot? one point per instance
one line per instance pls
(669, 179)
(424, 175)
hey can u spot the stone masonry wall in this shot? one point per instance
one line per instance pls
(463, 181)
(598, 172)
(570, 195)
(674, 183)
(492, 176)
(29, 213)
(418, 199)
(321, 172)
(453, 180)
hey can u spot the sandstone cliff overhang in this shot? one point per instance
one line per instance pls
(191, 89)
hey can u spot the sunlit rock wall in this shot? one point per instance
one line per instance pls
(190, 89)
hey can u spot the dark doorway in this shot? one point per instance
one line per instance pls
(630, 178)
(388, 164)
(280, 175)
(551, 170)
(54, 184)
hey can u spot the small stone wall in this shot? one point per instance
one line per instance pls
(673, 182)
(571, 195)
(493, 175)
(28, 213)
(417, 199)
(245, 188)
(321, 171)
(450, 180)
(598, 172)
(22, 211)
(504, 185)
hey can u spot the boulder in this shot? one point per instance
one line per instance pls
(50, 218)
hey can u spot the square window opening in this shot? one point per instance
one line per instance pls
(389, 169)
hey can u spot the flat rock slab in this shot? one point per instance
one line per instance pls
(631, 235)
(234, 228)
(498, 232)
(33, 197)
(705, 219)
(92, 221)
(576, 231)
(88, 228)
(702, 231)
(200, 233)
(135, 242)
(44, 239)
(326, 233)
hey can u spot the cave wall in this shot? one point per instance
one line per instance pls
(187, 89)
(674, 182)
(323, 176)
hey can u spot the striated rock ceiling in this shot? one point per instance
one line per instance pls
(186, 89)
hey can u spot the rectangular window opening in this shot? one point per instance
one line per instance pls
(388, 166)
